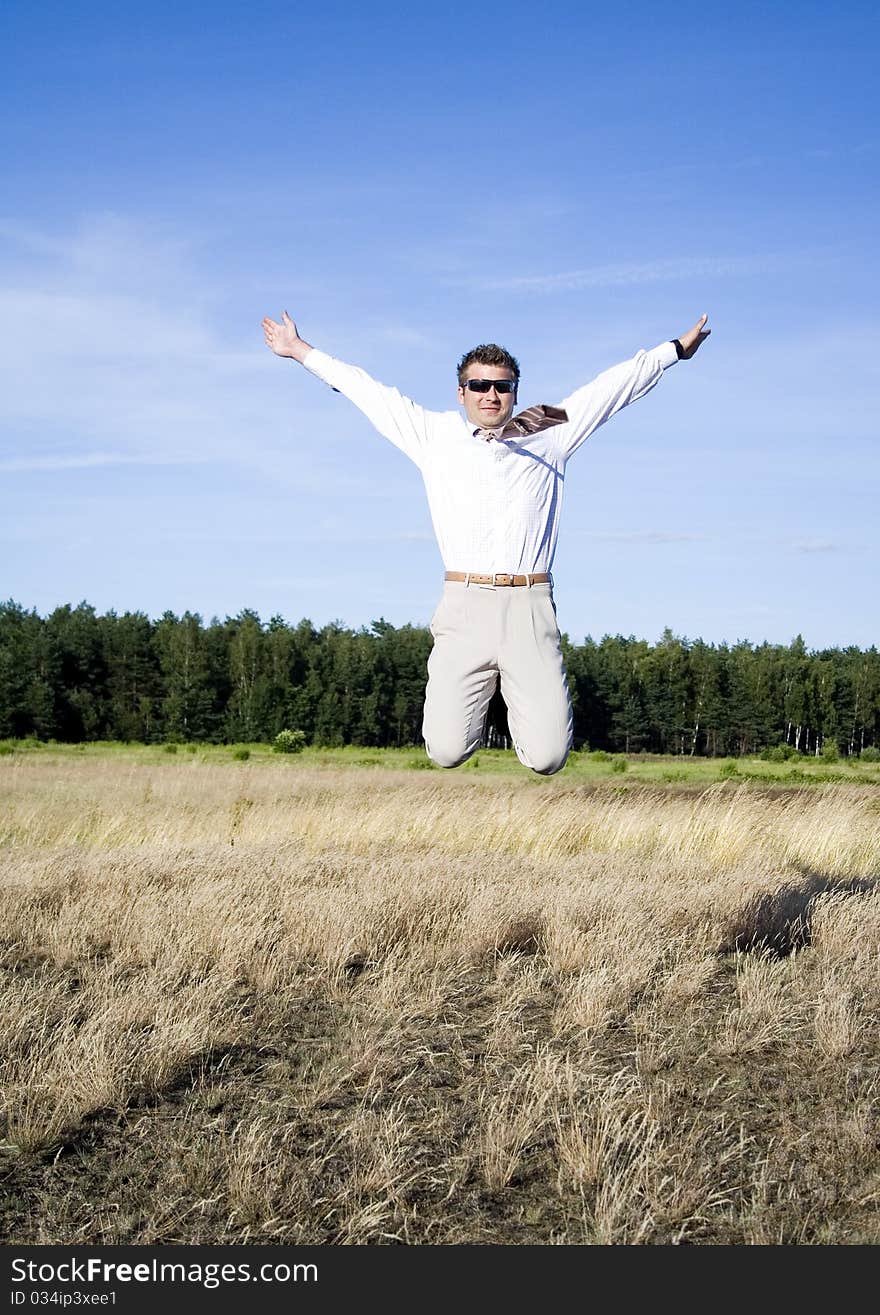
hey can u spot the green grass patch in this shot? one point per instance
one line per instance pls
(588, 768)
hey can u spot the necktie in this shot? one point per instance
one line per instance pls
(531, 421)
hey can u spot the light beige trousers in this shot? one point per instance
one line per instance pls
(483, 633)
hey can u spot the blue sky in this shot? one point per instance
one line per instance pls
(573, 181)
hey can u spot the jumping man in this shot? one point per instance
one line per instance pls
(494, 481)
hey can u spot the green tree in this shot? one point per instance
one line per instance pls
(77, 660)
(186, 699)
(248, 711)
(668, 692)
(796, 694)
(404, 656)
(705, 701)
(28, 674)
(133, 679)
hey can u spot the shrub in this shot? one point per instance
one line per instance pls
(600, 756)
(619, 765)
(830, 753)
(780, 753)
(6, 747)
(728, 769)
(169, 748)
(289, 742)
(241, 755)
(870, 755)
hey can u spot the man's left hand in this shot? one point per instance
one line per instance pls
(691, 340)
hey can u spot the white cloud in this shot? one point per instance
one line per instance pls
(112, 353)
(100, 326)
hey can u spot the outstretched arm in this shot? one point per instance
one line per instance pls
(590, 406)
(395, 416)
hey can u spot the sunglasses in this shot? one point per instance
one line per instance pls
(483, 385)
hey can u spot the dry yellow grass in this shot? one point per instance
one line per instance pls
(257, 1002)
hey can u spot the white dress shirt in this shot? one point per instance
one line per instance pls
(495, 505)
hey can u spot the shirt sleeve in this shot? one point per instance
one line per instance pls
(396, 418)
(590, 406)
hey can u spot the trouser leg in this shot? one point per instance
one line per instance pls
(533, 680)
(462, 676)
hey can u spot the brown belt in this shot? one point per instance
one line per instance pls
(468, 577)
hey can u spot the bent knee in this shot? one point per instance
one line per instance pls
(545, 759)
(549, 765)
(447, 755)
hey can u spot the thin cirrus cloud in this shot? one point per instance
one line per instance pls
(800, 545)
(89, 460)
(639, 536)
(653, 271)
(816, 545)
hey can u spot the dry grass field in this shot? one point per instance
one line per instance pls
(273, 1002)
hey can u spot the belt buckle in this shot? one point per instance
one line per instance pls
(500, 576)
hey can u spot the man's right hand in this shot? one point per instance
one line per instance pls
(284, 339)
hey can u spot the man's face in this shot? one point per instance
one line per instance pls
(488, 410)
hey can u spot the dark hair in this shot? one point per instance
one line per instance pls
(488, 353)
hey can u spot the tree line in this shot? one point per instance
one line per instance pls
(74, 676)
